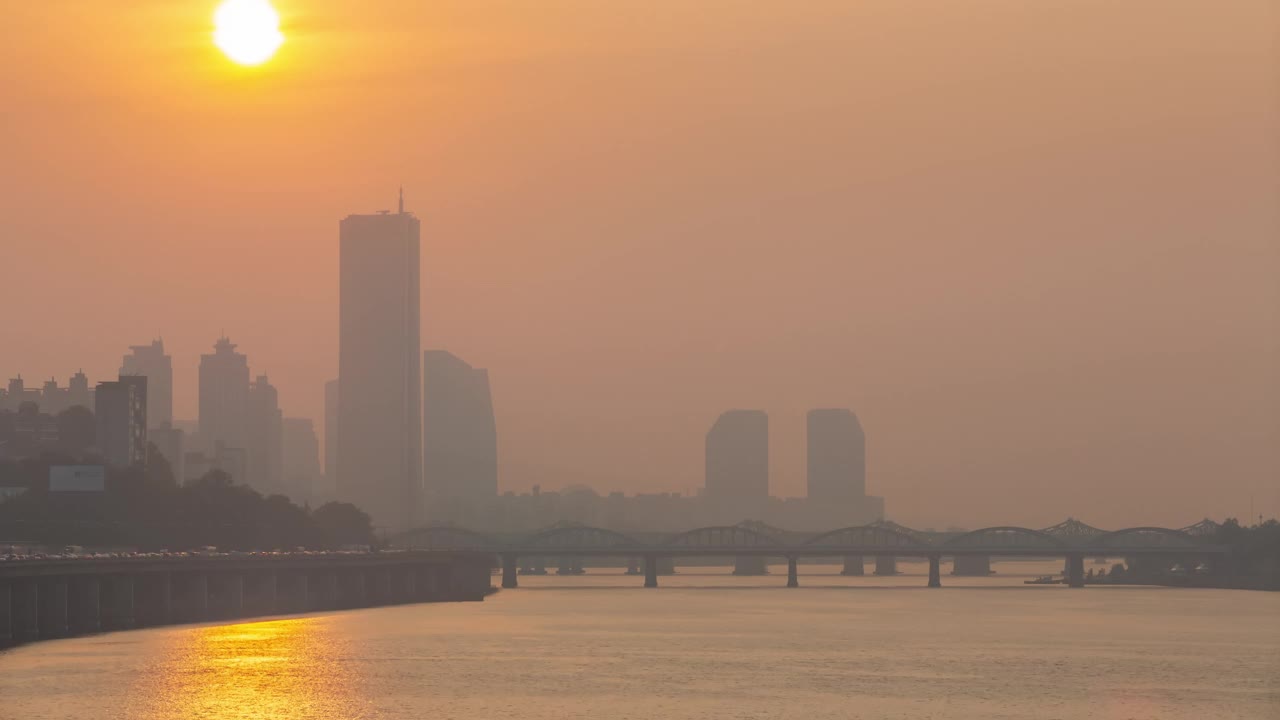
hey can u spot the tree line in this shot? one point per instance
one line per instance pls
(147, 509)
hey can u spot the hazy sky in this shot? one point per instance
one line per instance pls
(1035, 245)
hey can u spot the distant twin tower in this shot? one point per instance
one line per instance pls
(737, 469)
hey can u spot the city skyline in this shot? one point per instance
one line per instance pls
(644, 359)
(1060, 285)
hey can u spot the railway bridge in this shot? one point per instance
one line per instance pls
(1072, 540)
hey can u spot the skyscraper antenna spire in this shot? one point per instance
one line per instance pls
(402, 199)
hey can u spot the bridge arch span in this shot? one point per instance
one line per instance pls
(1144, 538)
(866, 537)
(1005, 536)
(720, 537)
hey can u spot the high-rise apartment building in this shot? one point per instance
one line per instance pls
(264, 438)
(50, 398)
(224, 398)
(379, 367)
(120, 409)
(151, 362)
(737, 466)
(459, 435)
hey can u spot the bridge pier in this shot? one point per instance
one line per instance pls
(84, 598)
(116, 602)
(793, 572)
(479, 581)
(403, 585)
(52, 615)
(25, 604)
(322, 591)
(378, 584)
(226, 595)
(444, 582)
(191, 593)
(935, 571)
(261, 593)
(886, 565)
(1075, 570)
(6, 615)
(852, 566)
(429, 583)
(351, 589)
(650, 571)
(510, 567)
(153, 601)
(292, 590)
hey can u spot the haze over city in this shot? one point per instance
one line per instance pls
(1044, 278)
(667, 360)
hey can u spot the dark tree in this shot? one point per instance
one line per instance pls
(343, 524)
(77, 429)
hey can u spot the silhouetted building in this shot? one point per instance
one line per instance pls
(18, 393)
(460, 438)
(27, 432)
(50, 398)
(121, 411)
(151, 362)
(737, 465)
(379, 371)
(224, 397)
(301, 459)
(264, 441)
(837, 457)
(78, 392)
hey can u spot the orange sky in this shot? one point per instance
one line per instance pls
(1035, 245)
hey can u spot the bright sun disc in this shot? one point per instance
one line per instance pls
(247, 31)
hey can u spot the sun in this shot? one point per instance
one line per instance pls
(247, 31)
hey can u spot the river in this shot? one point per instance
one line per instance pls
(704, 645)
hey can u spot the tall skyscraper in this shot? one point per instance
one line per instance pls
(737, 471)
(120, 409)
(837, 458)
(459, 436)
(224, 397)
(379, 370)
(264, 438)
(151, 362)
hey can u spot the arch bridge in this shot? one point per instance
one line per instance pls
(1071, 539)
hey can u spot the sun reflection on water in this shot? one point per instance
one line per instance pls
(274, 669)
